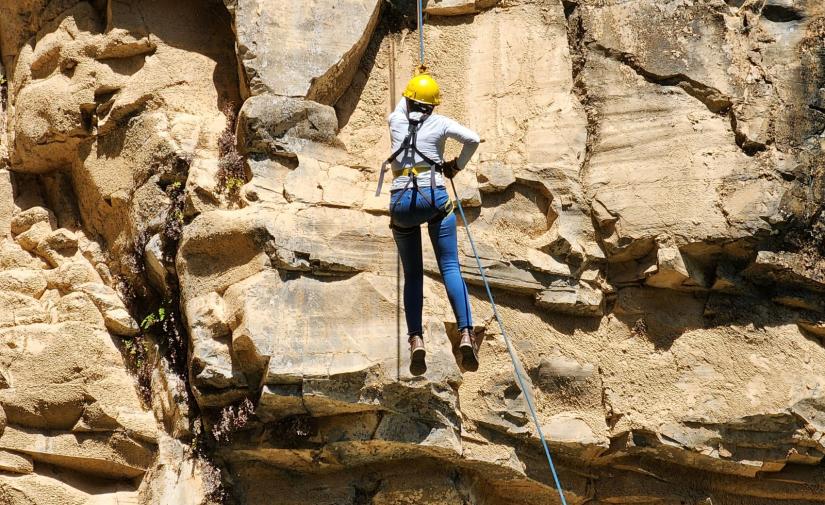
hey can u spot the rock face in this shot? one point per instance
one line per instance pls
(647, 205)
(309, 50)
(70, 412)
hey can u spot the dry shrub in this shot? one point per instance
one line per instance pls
(231, 173)
(173, 225)
(213, 483)
(232, 419)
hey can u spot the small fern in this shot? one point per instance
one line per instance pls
(153, 318)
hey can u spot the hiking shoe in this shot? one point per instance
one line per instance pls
(418, 365)
(469, 349)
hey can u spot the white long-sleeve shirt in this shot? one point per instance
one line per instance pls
(432, 135)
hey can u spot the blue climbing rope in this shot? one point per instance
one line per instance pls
(420, 34)
(510, 350)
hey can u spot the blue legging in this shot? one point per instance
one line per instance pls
(409, 209)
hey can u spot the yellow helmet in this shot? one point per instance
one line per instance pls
(423, 88)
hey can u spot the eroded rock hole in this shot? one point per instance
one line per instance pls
(520, 212)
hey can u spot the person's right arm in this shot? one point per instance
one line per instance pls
(469, 139)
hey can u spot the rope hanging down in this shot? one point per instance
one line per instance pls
(513, 357)
(420, 34)
(510, 350)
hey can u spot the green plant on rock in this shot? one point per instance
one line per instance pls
(136, 350)
(132, 349)
(164, 326)
(153, 318)
(233, 185)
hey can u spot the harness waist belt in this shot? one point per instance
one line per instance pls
(417, 170)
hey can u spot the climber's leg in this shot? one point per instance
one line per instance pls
(442, 232)
(407, 234)
(408, 241)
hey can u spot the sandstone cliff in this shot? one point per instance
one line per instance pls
(200, 291)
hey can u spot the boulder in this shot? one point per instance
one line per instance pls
(23, 280)
(671, 271)
(16, 463)
(109, 455)
(691, 213)
(334, 368)
(34, 235)
(12, 255)
(577, 300)
(70, 275)
(78, 306)
(569, 429)
(117, 318)
(785, 268)
(21, 309)
(211, 359)
(24, 220)
(58, 247)
(55, 406)
(278, 57)
(494, 175)
(283, 125)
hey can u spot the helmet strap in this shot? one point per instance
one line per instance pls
(415, 106)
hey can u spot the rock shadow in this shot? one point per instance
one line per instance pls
(662, 316)
(201, 27)
(347, 103)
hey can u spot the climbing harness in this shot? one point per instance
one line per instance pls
(409, 144)
(423, 85)
(513, 356)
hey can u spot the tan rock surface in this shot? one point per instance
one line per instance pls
(90, 71)
(647, 204)
(66, 397)
(653, 149)
(457, 7)
(278, 58)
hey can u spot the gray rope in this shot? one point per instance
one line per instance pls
(420, 34)
(510, 350)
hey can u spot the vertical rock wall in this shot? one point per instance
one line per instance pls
(69, 411)
(647, 203)
(110, 106)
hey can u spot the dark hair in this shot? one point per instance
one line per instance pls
(415, 106)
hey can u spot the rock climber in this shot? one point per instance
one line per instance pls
(418, 196)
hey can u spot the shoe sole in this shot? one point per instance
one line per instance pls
(468, 358)
(418, 363)
(419, 355)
